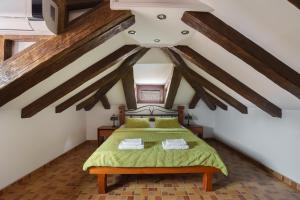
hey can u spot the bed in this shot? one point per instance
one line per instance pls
(199, 158)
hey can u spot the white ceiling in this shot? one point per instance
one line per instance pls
(148, 27)
(152, 73)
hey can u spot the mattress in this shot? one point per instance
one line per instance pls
(153, 155)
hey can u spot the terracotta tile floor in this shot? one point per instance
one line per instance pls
(64, 179)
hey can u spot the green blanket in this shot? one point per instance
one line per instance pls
(153, 155)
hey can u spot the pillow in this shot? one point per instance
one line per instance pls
(137, 122)
(166, 122)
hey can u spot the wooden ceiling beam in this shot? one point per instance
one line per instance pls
(79, 79)
(173, 88)
(113, 76)
(193, 103)
(105, 102)
(89, 103)
(81, 4)
(199, 89)
(44, 58)
(198, 79)
(62, 16)
(217, 91)
(86, 104)
(196, 98)
(228, 80)
(295, 3)
(245, 49)
(6, 49)
(27, 38)
(217, 102)
(180, 64)
(129, 91)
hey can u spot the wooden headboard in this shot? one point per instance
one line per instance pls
(151, 111)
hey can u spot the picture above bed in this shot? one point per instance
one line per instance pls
(137, 122)
(170, 122)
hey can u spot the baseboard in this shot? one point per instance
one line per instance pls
(292, 184)
(44, 166)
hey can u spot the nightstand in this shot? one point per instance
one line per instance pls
(196, 129)
(104, 132)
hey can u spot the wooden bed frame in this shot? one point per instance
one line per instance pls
(102, 172)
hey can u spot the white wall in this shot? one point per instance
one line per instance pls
(203, 116)
(97, 117)
(272, 141)
(27, 144)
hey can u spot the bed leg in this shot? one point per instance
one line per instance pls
(102, 183)
(207, 182)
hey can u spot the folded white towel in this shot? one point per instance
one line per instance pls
(175, 142)
(135, 141)
(169, 147)
(124, 147)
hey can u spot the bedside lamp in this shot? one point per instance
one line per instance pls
(188, 117)
(114, 118)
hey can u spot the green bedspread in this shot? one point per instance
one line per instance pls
(199, 153)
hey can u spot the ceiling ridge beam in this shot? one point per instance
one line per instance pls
(227, 79)
(79, 79)
(111, 77)
(173, 88)
(46, 57)
(129, 91)
(198, 79)
(245, 49)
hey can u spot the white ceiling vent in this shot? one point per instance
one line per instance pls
(15, 24)
(14, 16)
(22, 17)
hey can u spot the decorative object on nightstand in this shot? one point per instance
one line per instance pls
(196, 129)
(188, 117)
(114, 118)
(104, 132)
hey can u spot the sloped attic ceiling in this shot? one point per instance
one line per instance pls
(253, 21)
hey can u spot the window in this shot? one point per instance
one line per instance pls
(150, 94)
